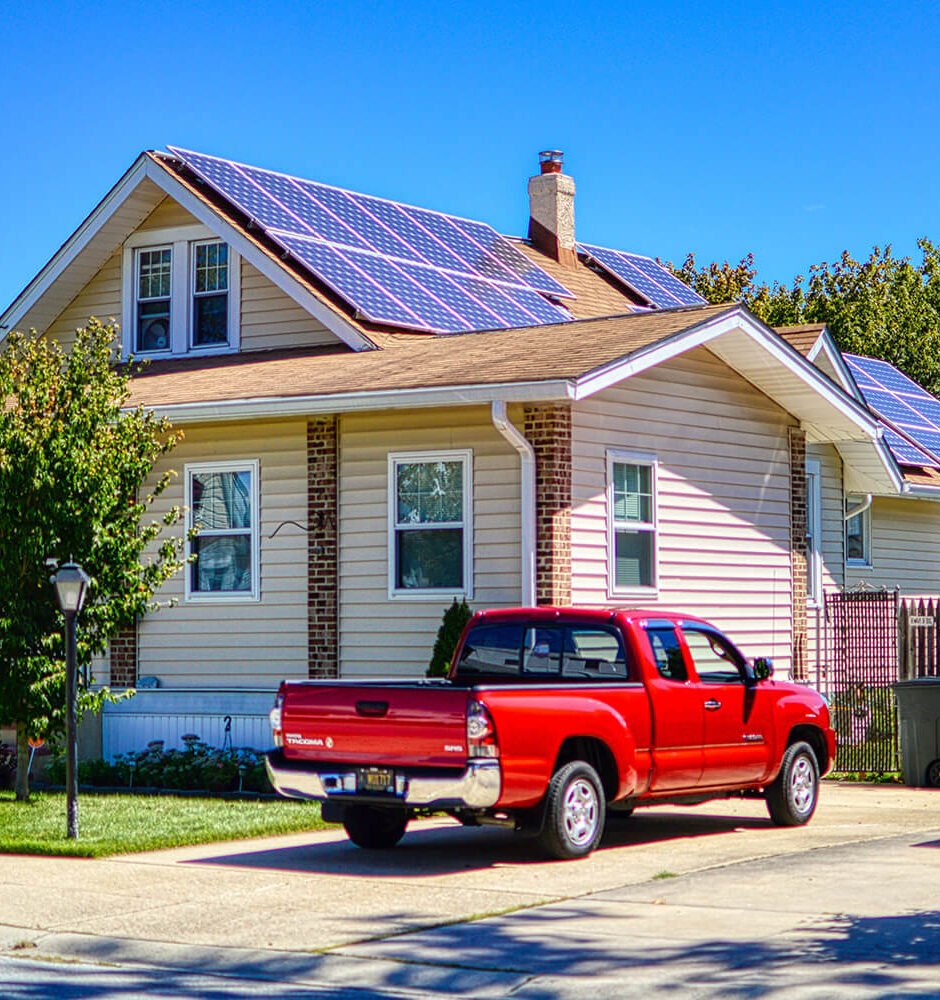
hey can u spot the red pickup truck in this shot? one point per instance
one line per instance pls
(551, 718)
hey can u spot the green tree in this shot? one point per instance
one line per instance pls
(452, 626)
(884, 306)
(73, 464)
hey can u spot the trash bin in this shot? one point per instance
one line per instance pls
(919, 710)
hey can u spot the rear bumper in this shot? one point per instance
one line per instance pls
(476, 787)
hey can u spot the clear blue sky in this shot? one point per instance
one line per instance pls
(790, 130)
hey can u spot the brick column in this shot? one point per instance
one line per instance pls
(122, 650)
(322, 549)
(548, 428)
(798, 561)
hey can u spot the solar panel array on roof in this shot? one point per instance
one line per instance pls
(898, 399)
(394, 264)
(654, 282)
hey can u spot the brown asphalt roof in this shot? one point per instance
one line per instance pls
(801, 337)
(529, 354)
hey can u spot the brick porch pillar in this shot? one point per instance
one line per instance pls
(798, 560)
(122, 650)
(548, 428)
(322, 549)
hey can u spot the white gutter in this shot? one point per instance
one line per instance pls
(859, 508)
(347, 402)
(511, 433)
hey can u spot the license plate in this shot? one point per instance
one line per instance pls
(376, 779)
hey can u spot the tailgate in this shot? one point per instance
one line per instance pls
(392, 724)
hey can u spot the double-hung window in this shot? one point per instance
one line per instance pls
(430, 524)
(857, 532)
(222, 507)
(181, 292)
(631, 523)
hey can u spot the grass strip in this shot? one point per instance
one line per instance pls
(123, 824)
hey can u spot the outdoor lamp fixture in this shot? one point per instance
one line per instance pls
(71, 585)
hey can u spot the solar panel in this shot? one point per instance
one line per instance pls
(900, 400)
(643, 275)
(393, 263)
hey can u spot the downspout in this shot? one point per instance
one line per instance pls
(859, 508)
(511, 433)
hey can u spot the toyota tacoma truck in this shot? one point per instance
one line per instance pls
(550, 719)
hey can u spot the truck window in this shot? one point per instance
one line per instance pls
(541, 653)
(594, 654)
(667, 653)
(716, 660)
(491, 649)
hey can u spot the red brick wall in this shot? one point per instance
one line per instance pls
(123, 657)
(548, 428)
(322, 549)
(798, 562)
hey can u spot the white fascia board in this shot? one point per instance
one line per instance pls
(697, 336)
(351, 402)
(74, 245)
(281, 277)
(826, 345)
(915, 492)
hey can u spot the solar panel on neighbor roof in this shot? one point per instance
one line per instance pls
(662, 288)
(900, 400)
(393, 263)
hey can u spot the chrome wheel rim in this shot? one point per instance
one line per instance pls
(580, 812)
(802, 784)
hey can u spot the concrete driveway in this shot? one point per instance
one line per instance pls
(714, 897)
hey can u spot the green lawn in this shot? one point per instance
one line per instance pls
(116, 824)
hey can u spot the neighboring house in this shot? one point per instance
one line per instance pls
(386, 408)
(872, 538)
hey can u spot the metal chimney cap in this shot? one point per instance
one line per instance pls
(551, 161)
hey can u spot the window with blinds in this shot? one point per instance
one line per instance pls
(632, 523)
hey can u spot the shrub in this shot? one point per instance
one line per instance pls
(455, 618)
(197, 767)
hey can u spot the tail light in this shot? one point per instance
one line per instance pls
(481, 733)
(275, 717)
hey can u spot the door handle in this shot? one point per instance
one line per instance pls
(712, 705)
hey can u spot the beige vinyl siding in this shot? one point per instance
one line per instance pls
(383, 636)
(167, 215)
(723, 497)
(101, 297)
(270, 318)
(905, 547)
(240, 643)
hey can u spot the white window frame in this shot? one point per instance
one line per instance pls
(465, 456)
(814, 530)
(866, 561)
(617, 457)
(253, 467)
(181, 240)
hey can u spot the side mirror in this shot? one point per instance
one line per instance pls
(763, 668)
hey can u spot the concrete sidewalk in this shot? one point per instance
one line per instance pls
(702, 894)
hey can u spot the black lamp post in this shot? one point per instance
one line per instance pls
(71, 584)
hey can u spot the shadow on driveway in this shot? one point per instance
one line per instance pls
(440, 850)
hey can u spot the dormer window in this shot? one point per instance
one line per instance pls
(180, 293)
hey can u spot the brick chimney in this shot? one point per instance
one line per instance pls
(551, 209)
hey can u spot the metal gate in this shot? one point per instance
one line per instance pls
(863, 665)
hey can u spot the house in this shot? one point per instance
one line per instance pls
(386, 408)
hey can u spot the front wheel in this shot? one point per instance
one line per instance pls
(374, 827)
(575, 810)
(792, 798)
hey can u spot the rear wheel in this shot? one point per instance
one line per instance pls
(791, 799)
(574, 812)
(933, 774)
(374, 827)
